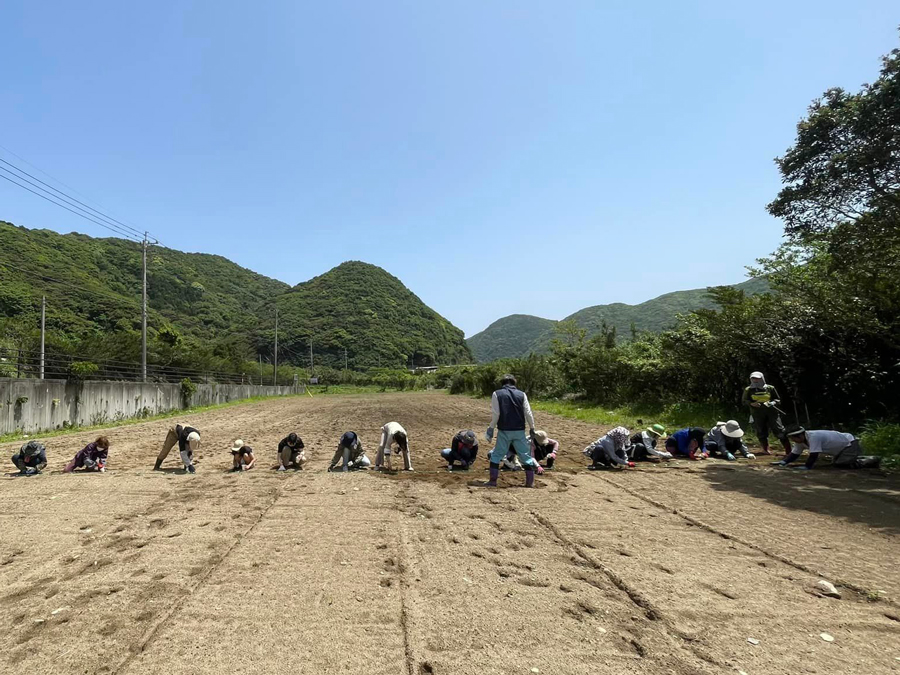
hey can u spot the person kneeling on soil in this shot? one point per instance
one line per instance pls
(688, 443)
(463, 449)
(393, 438)
(290, 452)
(844, 449)
(610, 450)
(350, 452)
(31, 458)
(511, 461)
(510, 412)
(188, 440)
(643, 445)
(724, 440)
(243, 456)
(544, 449)
(91, 457)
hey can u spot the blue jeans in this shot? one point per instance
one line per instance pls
(520, 444)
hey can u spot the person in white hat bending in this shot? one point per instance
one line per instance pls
(763, 400)
(244, 459)
(724, 440)
(544, 449)
(188, 440)
(392, 434)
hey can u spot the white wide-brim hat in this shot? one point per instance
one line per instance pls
(238, 444)
(731, 428)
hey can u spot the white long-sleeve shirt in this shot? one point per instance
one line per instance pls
(387, 436)
(495, 411)
(825, 441)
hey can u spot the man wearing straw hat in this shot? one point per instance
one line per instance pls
(724, 440)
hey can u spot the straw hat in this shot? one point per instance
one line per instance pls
(238, 444)
(541, 437)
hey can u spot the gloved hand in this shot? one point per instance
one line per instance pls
(489, 434)
(552, 455)
(750, 455)
(30, 471)
(539, 469)
(531, 432)
(631, 465)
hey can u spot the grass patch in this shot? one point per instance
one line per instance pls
(673, 417)
(882, 439)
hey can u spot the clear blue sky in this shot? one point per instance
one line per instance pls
(497, 157)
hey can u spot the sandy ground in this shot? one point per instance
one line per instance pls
(665, 569)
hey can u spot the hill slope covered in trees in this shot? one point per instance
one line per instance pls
(519, 335)
(206, 312)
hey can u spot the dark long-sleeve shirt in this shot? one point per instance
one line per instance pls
(462, 450)
(91, 451)
(183, 433)
(33, 455)
(285, 443)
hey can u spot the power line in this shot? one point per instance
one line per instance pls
(37, 168)
(109, 294)
(63, 206)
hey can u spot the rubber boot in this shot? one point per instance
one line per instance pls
(529, 478)
(157, 466)
(495, 474)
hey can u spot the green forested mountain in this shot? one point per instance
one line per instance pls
(363, 309)
(510, 337)
(206, 312)
(519, 335)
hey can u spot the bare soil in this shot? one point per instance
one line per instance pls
(664, 569)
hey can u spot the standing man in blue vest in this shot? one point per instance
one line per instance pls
(509, 413)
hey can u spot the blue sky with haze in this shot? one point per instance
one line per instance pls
(497, 157)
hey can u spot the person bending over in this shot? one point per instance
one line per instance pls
(291, 453)
(610, 450)
(242, 455)
(463, 449)
(31, 458)
(724, 440)
(544, 449)
(393, 438)
(350, 452)
(188, 440)
(91, 457)
(688, 443)
(844, 449)
(643, 445)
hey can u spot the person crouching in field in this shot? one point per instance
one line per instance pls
(350, 452)
(290, 452)
(188, 440)
(91, 457)
(844, 449)
(243, 457)
(724, 440)
(463, 449)
(610, 450)
(643, 445)
(31, 458)
(392, 434)
(688, 443)
(763, 400)
(544, 449)
(510, 411)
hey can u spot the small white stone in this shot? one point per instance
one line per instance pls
(57, 611)
(39, 621)
(601, 629)
(535, 670)
(826, 637)
(753, 641)
(827, 588)
(356, 489)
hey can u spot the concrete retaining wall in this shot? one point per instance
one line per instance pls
(29, 405)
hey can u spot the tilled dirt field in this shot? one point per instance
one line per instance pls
(665, 569)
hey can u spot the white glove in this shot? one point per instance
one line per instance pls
(750, 455)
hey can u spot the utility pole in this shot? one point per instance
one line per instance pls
(345, 358)
(275, 374)
(144, 312)
(310, 358)
(260, 370)
(43, 324)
